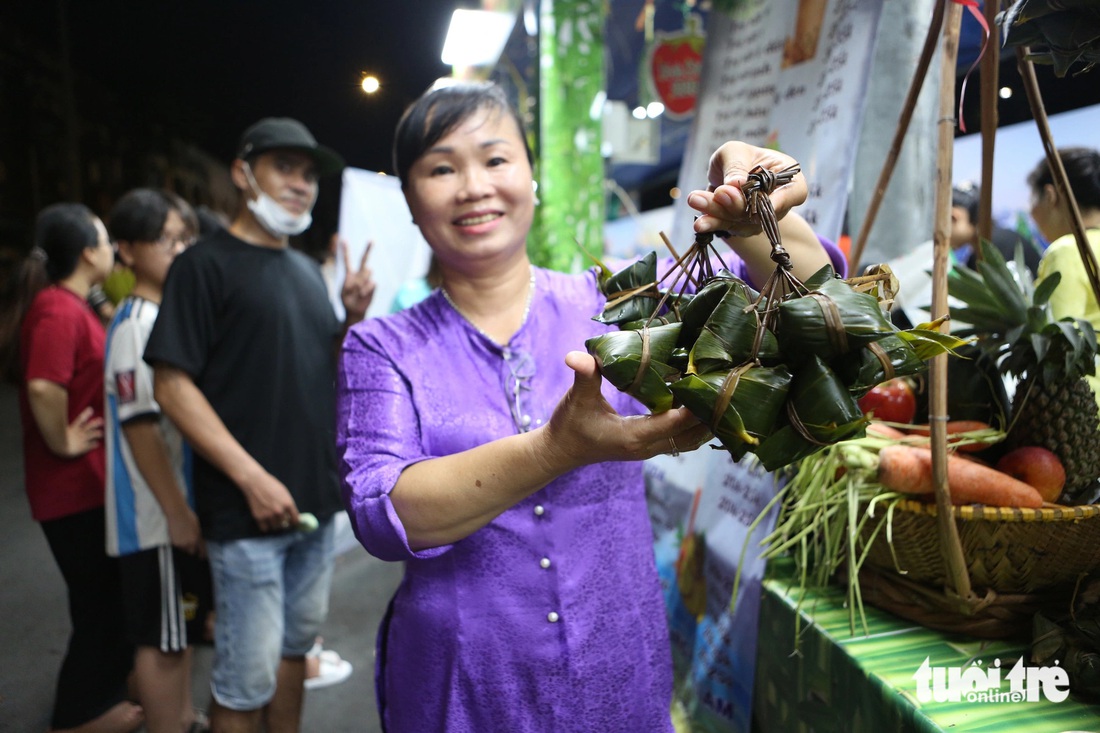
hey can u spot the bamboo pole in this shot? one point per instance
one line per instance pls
(990, 83)
(941, 237)
(907, 110)
(1057, 170)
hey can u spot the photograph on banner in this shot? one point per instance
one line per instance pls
(702, 507)
(791, 75)
(373, 209)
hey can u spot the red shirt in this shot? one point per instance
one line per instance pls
(62, 340)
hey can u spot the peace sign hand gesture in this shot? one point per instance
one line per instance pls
(358, 288)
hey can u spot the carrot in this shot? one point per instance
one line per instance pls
(908, 470)
(881, 430)
(954, 427)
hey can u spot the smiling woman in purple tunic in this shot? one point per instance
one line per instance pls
(480, 447)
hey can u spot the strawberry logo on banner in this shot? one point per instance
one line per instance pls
(675, 65)
(124, 385)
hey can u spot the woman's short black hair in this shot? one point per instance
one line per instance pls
(438, 111)
(1082, 169)
(139, 215)
(62, 232)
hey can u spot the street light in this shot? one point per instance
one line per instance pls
(476, 37)
(370, 84)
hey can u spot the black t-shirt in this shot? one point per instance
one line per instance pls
(254, 328)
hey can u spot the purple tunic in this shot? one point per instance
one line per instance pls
(550, 618)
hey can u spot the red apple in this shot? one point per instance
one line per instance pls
(891, 401)
(1036, 467)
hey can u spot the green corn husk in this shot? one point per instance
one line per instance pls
(754, 407)
(827, 411)
(620, 359)
(694, 313)
(730, 333)
(636, 276)
(831, 320)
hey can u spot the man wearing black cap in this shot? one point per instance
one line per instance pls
(243, 352)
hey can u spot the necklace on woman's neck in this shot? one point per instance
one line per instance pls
(526, 307)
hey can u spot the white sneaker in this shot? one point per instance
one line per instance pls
(333, 668)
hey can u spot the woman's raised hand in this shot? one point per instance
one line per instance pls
(585, 428)
(722, 206)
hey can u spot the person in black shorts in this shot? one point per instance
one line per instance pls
(151, 523)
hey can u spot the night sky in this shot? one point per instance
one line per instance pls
(206, 69)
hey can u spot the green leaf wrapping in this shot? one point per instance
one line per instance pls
(877, 362)
(832, 320)
(637, 275)
(622, 361)
(825, 409)
(928, 342)
(728, 336)
(820, 277)
(694, 314)
(754, 408)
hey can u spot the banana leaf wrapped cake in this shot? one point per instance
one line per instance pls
(639, 362)
(777, 372)
(742, 405)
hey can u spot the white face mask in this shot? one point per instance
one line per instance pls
(271, 215)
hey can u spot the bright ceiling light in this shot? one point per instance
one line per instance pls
(654, 109)
(1006, 92)
(638, 113)
(476, 37)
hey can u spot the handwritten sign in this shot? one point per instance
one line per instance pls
(791, 75)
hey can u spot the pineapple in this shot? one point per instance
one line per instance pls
(1053, 406)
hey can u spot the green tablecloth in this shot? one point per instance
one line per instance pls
(839, 681)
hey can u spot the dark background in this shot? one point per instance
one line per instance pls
(157, 93)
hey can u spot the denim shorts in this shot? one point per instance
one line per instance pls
(271, 596)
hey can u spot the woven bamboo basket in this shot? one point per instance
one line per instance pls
(1008, 550)
(1020, 561)
(991, 569)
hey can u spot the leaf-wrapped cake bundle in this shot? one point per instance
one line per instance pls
(820, 411)
(695, 312)
(821, 276)
(877, 362)
(637, 362)
(833, 319)
(897, 355)
(667, 318)
(729, 335)
(631, 292)
(742, 405)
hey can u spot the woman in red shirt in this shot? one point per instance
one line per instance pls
(60, 375)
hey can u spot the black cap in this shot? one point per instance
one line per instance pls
(284, 133)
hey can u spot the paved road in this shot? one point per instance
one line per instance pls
(34, 622)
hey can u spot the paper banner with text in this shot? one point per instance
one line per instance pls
(790, 75)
